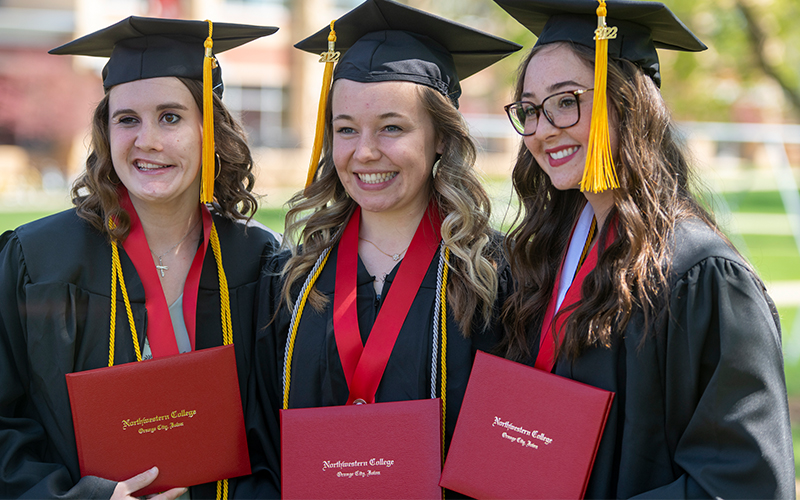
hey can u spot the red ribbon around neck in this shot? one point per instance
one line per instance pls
(159, 324)
(364, 365)
(546, 358)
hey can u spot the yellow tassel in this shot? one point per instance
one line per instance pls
(599, 174)
(207, 173)
(329, 58)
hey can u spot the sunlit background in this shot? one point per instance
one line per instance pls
(738, 104)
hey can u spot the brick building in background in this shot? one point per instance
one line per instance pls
(46, 101)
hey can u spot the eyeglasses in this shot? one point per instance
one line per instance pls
(562, 110)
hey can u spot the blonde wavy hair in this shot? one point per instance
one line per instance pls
(317, 216)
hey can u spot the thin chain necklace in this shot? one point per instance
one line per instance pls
(395, 256)
(161, 267)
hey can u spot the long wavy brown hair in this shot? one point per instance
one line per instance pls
(317, 216)
(656, 191)
(94, 193)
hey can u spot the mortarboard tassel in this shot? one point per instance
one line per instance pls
(207, 173)
(599, 174)
(329, 58)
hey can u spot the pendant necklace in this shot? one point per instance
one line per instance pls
(161, 267)
(395, 257)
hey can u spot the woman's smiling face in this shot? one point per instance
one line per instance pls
(384, 145)
(155, 135)
(561, 153)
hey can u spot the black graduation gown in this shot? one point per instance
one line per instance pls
(700, 409)
(55, 280)
(317, 375)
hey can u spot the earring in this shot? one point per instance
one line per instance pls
(218, 166)
(108, 176)
(436, 167)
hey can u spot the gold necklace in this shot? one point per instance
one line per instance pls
(161, 267)
(395, 256)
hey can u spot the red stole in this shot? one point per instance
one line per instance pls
(554, 323)
(160, 333)
(364, 365)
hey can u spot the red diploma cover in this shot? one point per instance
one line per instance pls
(379, 450)
(182, 413)
(524, 433)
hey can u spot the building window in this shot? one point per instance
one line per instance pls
(261, 111)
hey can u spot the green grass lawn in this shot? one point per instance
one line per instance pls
(766, 202)
(775, 257)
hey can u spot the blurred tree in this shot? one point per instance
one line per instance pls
(751, 71)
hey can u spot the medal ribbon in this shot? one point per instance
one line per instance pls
(159, 325)
(364, 365)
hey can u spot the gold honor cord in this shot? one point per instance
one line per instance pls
(599, 174)
(298, 312)
(224, 304)
(207, 170)
(116, 274)
(312, 278)
(443, 323)
(329, 58)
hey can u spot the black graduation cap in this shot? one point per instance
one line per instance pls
(382, 40)
(642, 27)
(146, 47)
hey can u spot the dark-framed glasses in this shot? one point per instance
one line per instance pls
(562, 110)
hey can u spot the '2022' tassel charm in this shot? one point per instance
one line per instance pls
(599, 174)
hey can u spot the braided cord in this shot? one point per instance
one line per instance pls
(116, 274)
(297, 313)
(443, 322)
(113, 326)
(225, 309)
(435, 338)
(224, 296)
(222, 489)
(227, 324)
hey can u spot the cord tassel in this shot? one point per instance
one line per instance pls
(207, 174)
(599, 174)
(329, 58)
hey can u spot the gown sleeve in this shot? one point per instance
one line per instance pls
(27, 466)
(262, 418)
(726, 411)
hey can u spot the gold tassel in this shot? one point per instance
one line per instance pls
(599, 174)
(207, 173)
(329, 58)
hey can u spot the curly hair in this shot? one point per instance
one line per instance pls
(656, 183)
(317, 216)
(94, 192)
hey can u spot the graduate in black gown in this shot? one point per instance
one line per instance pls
(137, 206)
(624, 281)
(397, 160)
